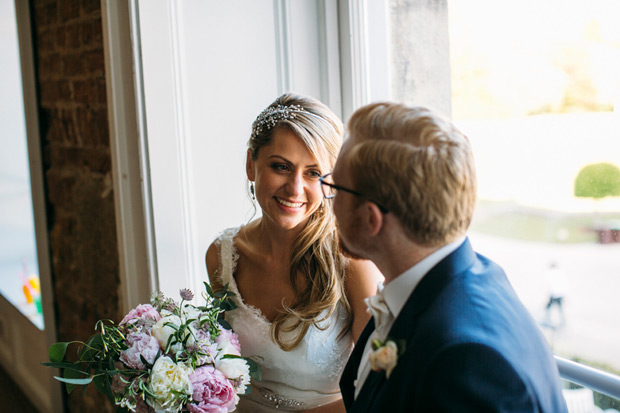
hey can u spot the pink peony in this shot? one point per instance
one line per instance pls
(213, 392)
(139, 344)
(229, 340)
(141, 311)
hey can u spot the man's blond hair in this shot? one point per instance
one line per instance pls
(417, 165)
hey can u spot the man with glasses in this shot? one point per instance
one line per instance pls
(448, 332)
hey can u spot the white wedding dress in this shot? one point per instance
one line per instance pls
(300, 379)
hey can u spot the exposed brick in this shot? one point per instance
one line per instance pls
(47, 38)
(73, 64)
(63, 129)
(93, 127)
(62, 187)
(84, 91)
(50, 65)
(91, 32)
(49, 92)
(94, 61)
(91, 7)
(101, 90)
(64, 91)
(72, 36)
(70, 157)
(90, 91)
(96, 160)
(44, 14)
(60, 38)
(69, 9)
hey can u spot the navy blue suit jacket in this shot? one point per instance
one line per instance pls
(470, 346)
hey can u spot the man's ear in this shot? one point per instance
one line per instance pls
(249, 166)
(374, 218)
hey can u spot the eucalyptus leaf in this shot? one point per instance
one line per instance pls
(64, 365)
(209, 289)
(77, 382)
(256, 372)
(57, 351)
(224, 323)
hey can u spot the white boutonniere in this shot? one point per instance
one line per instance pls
(384, 355)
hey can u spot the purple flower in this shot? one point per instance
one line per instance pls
(186, 294)
(207, 349)
(213, 392)
(140, 312)
(139, 344)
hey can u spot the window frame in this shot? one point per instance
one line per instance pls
(361, 79)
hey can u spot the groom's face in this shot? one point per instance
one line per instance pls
(345, 207)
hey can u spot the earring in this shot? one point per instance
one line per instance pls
(252, 191)
(321, 207)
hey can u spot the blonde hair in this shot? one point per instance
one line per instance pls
(417, 165)
(316, 252)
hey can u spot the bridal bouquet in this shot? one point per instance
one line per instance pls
(164, 356)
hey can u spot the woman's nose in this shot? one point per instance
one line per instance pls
(296, 185)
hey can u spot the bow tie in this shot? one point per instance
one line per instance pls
(378, 308)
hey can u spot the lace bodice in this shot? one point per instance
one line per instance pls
(302, 378)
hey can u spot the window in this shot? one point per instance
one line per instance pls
(19, 271)
(26, 302)
(536, 91)
(532, 84)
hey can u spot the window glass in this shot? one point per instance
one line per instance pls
(535, 87)
(19, 280)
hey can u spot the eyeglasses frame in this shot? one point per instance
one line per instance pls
(351, 191)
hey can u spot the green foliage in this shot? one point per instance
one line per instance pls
(598, 181)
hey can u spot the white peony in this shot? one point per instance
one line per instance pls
(166, 377)
(235, 369)
(162, 332)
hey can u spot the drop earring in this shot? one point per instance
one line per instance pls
(252, 191)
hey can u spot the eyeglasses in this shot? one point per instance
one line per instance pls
(330, 190)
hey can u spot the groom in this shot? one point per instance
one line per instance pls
(448, 332)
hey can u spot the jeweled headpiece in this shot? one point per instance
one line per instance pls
(270, 117)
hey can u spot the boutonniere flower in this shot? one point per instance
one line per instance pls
(384, 355)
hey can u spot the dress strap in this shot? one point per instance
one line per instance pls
(228, 257)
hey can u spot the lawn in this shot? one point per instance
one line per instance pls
(510, 220)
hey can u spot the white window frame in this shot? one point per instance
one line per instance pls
(360, 75)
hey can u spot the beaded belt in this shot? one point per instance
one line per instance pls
(278, 401)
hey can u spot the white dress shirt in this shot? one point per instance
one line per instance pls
(395, 293)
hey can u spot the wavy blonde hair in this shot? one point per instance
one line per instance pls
(316, 251)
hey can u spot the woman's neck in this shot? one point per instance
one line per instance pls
(274, 241)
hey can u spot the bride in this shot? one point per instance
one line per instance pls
(300, 301)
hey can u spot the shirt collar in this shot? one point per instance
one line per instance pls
(397, 291)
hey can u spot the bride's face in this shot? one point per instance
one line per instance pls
(286, 180)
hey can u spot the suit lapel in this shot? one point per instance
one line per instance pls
(404, 325)
(349, 375)
(430, 287)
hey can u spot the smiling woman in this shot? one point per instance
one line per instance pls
(299, 299)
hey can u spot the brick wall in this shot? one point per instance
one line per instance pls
(77, 166)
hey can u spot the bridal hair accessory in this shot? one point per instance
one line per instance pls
(270, 117)
(163, 356)
(384, 355)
